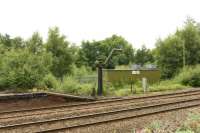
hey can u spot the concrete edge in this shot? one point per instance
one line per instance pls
(22, 96)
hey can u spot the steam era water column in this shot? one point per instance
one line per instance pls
(100, 66)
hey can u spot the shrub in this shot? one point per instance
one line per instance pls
(189, 76)
(123, 92)
(21, 69)
(166, 85)
(50, 82)
(71, 85)
(82, 71)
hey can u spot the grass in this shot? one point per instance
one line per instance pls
(83, 81)
(166, 86)
(192, 124)
(72, 85)
(125, 89)
(189, 75)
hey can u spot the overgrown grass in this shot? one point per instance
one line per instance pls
(72, 86)
(190, 75)
(83, 80)
(166, 85)
(192, 124)
(125, 89)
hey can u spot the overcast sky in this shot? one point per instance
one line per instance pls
(138, 21)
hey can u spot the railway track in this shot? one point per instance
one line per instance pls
(77, 112)
(89, 103)
(73, 122)
(73, 128)
(7, 117)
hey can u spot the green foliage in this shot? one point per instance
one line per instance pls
(50, 82)
(20, 69)
(35, 43)
(156, 126)
(71, 85)
(96, 50)
(189, 76)
(191, 37)
(8, 43)
(82, 71)
(123, 92)
(166, 85)
(191, 124)
(59, 64)
(62, 56)
(143, 56)
(183, 46)
(169, 55)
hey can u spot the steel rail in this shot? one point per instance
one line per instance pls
(53, 121)
(97, 102)
(85, 108)
(116, 119)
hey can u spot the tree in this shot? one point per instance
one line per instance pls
(90, 52)
(62, 56)
(191, 37)
(143, 56)
(6, 41)
(169, 55)
(35, 43)
(9, 43)
(21, 69)
(178, 49)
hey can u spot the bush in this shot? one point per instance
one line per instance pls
(123, 92)
(50, 82)
(21, 69)
(71, 85)
(82, 71)
(189, 76)
(166, 85)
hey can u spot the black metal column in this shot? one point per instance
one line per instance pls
(100, 81)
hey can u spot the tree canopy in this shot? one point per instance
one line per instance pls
(62, 54)
(90, 52)
(182, 46)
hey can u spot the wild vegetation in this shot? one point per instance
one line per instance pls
(189, 125)
(56, 64)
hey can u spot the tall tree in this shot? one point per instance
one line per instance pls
(143, 56)
(191, 37)
(35, 43)
(21, 69)
(179, 49)
(11, 43)
(62, 56)
(99, 50)
(169, 55)
(5, 40)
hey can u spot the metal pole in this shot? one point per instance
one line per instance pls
(100, 72)
(100, 81)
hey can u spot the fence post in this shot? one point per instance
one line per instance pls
(144, 84)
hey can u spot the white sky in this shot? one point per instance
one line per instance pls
(138, 21)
